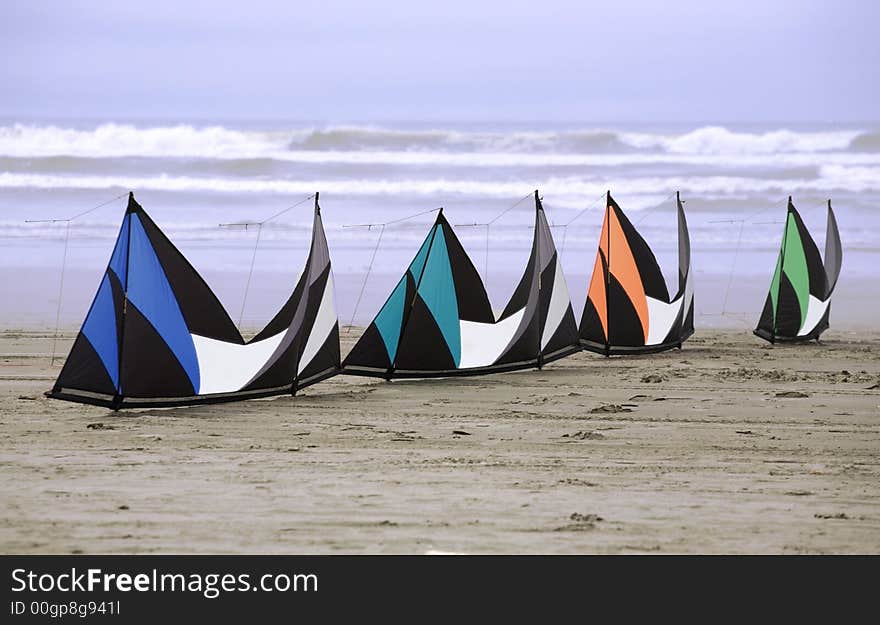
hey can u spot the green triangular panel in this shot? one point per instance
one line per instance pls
(795, 266)
(774, 284)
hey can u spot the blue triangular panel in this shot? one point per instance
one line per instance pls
(437, 289)
(100, 329)
(119, 260)
(149, 290)
(390, 318)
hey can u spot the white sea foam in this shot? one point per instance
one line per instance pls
(212, 173)
(115, 140)
(565, 189)
(519, 159)
(257, 164)
(186, 141)
(720, 140)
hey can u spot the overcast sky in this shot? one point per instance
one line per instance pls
(555, 60)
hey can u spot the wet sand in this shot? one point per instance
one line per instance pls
(728, 446)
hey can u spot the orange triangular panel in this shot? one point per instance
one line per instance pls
(622, 266)
(596, 292)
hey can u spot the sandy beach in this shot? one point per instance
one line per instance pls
(728, 446)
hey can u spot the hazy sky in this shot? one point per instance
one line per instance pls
(617, 60)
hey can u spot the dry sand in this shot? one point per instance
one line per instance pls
(730, 445)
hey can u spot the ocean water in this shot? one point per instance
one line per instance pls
(193, 177)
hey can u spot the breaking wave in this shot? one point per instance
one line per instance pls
(375, 138)
(345, 163)
(572, 187)
(720, 140)
(115, 140)
(218, 142)
(866, 142)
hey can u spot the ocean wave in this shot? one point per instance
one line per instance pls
(759, 165)
(184, 141)
(218, 142)
(359, 138)
(117, 140)
(569, 190)
(720, 140)
(866, 142)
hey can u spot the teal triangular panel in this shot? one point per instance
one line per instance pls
(415, 267)
(390, 319)
(437, 289)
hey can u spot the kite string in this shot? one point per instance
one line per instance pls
(78, 215)
(732, 268)
(579, 214)
(64, 265)
(366, 277)
(766, 208)
(738, 242)
(397, 221)
(289, 208)
(486, 259)
(393, 221)
(60, 293)
(742, 222)
(488, 225)
(653, 208)
(247, 285)
(750, 215)
(94, 208)
(259, 225)
(509, 208)
(267, 219)
(373, 256)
